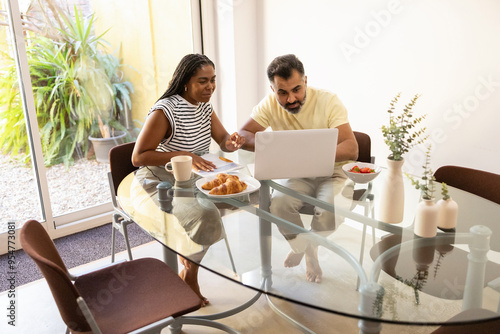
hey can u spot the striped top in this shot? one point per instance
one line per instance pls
(191, 124)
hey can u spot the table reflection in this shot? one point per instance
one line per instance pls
(434, 266)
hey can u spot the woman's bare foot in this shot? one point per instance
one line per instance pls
(190, 275)
(293, 259)
(313, 270)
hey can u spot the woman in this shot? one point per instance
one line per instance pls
(182, 122)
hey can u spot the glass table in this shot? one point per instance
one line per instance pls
(398, 278)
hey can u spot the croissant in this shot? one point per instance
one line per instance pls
(224, 177)
(212, 184)
(220, 179)
(231, 186)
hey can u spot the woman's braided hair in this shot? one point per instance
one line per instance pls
(187, 68)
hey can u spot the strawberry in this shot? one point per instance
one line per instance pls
(355, 169)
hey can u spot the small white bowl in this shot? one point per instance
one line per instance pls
(361, 177)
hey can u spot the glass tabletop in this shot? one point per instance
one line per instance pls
(403, 278)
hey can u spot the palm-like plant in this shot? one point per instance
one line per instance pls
(75, 84)
(13, 137)
(121, 91)
(64, 107)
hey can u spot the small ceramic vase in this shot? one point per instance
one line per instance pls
(426, 219)
(447, 214)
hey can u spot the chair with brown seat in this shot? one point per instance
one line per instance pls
(364, 147)
(478, 182)
(488, 325)
(120, 165)
(486, 185)
(140, 296)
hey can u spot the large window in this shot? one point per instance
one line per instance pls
(71, 70)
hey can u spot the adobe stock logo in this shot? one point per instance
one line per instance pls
(373, 28)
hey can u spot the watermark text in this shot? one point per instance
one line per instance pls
(11, 274)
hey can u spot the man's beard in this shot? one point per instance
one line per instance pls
(296, 109)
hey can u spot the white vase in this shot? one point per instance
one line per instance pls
(447, 213)
(426, 219)
(392, 199)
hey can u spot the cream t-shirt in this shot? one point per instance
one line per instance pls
(322, 110)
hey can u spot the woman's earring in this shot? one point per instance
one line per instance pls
(185, 88)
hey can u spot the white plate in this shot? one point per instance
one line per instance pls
(252, 185)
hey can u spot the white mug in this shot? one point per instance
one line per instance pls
(180, 166)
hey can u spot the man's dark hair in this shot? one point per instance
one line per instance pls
(186, 68)
(283, 67)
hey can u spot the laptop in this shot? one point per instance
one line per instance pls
(295, 153)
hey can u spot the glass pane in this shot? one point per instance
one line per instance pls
(79, 92)
(95, 75)
(19, 198)
(106, 74)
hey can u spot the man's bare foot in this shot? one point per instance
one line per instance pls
(313, 270)
(293, 259)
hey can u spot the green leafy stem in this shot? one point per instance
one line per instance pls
(401, 134)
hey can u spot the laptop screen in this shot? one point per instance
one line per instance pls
(295, 153)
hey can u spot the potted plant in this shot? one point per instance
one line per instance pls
(74, 83)
(400, 135)
(107, 130)
(427, 211)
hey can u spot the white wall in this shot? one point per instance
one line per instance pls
(367, 51)
(231, 40)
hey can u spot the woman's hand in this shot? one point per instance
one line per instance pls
(201, 164)
(234, 142)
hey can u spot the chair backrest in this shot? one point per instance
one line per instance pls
(38, 245)
(364, 147)
(120, 162)
(478, 182)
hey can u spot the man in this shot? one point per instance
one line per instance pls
(293, 106)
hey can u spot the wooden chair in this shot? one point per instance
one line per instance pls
(485, 185)
(482, 327)
(120, 165)
(140, 296)
(364, 147)
(478, 182)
